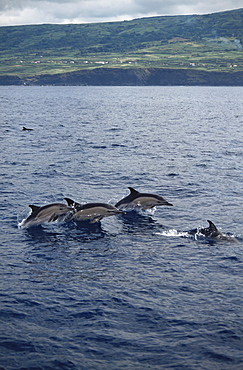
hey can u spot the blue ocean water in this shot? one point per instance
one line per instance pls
(136, 291)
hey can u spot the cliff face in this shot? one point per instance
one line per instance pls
(131, 77)
(10, 80)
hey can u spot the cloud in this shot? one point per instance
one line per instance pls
(14, 12)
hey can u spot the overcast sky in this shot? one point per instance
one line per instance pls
(16, 12)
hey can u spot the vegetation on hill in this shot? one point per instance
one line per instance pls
(212, 42)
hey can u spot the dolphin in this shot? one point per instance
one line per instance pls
(212, 232)
(48, 213)
(27, 129)
(92, 212)
(142, 200)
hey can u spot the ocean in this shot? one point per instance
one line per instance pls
(135, 291)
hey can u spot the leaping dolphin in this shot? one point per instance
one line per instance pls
(212, 232)
(92, 212)
(48, 213)
(142, 200)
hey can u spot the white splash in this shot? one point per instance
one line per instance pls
(173, 232)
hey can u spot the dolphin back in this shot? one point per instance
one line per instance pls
(142, 200)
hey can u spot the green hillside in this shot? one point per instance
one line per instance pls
(210, 42)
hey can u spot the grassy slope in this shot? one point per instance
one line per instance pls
(208, 42)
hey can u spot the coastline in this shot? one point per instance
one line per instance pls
(129, 77)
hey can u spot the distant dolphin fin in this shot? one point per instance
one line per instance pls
(212, 226)
(26, 129)
(133, 191)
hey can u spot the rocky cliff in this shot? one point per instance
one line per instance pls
(131, 77)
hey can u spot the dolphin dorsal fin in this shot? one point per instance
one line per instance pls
(34, 208)
(69, 201)
(212, 226)
(133, 191)
(73, 204)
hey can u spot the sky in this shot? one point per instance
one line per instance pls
(22, 12)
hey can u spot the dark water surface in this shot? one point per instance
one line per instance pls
(135, 292)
